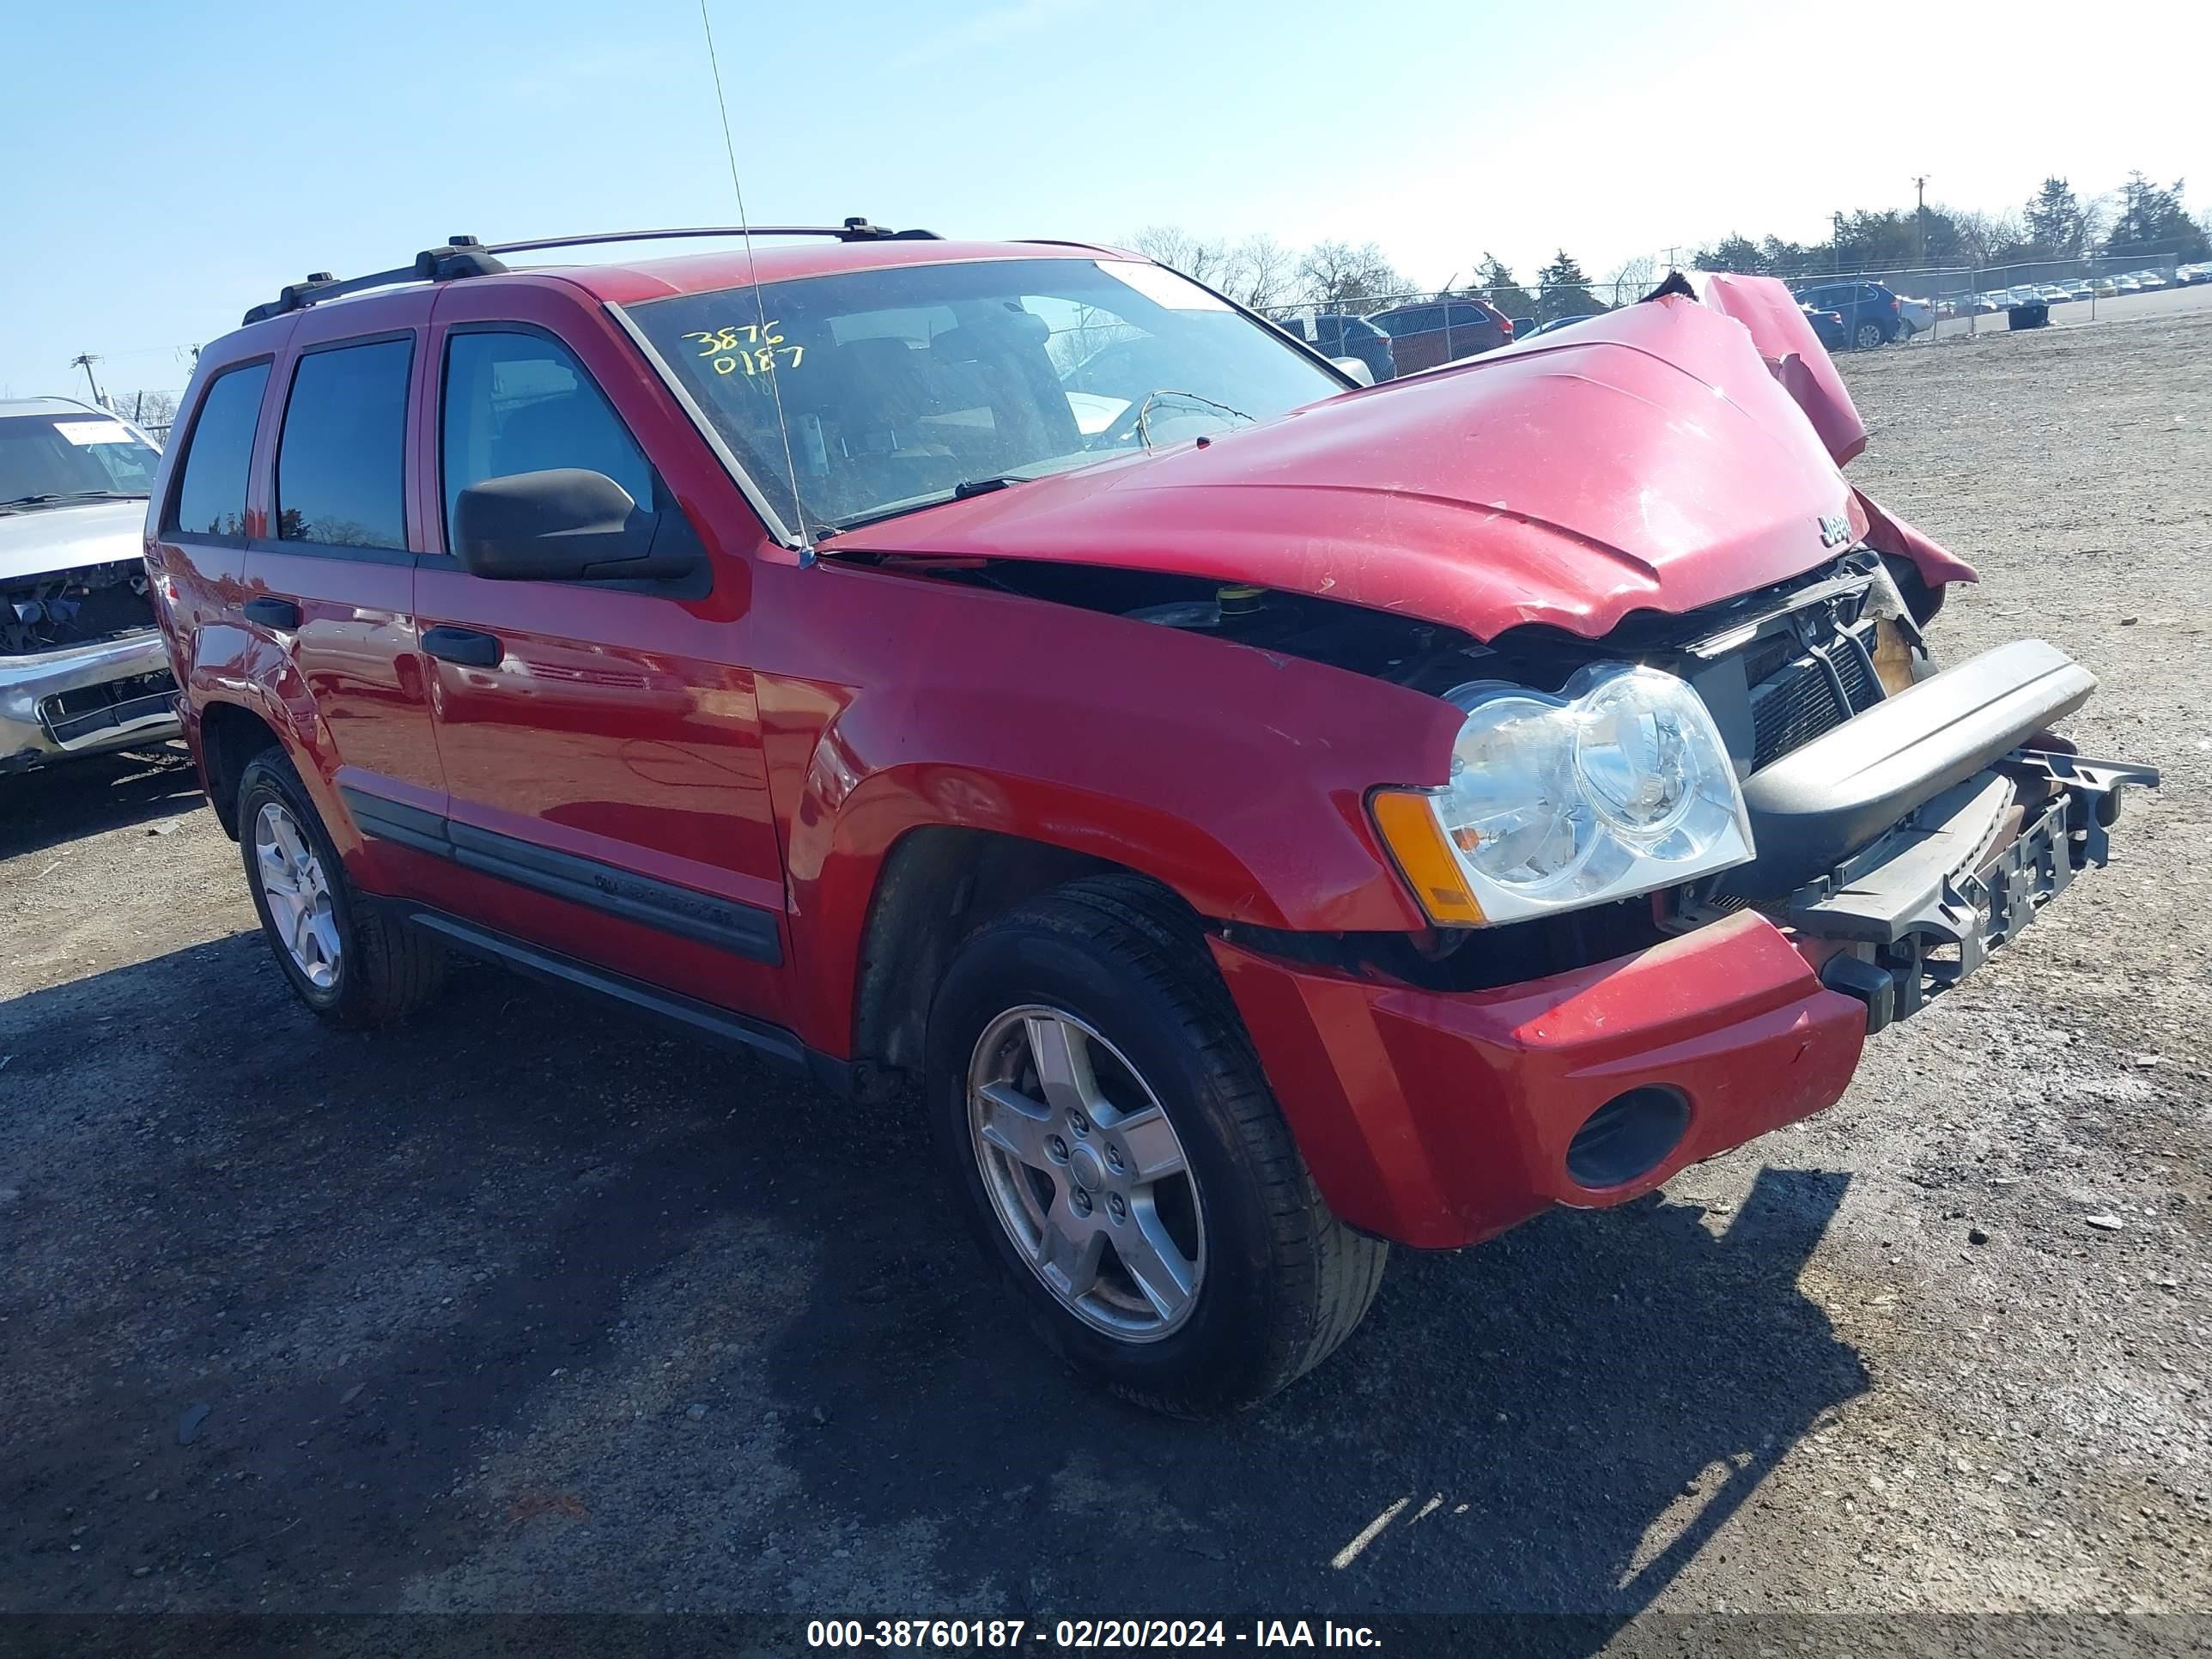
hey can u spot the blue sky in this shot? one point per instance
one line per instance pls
(230, 147)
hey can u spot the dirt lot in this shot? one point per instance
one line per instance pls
(527, 1307)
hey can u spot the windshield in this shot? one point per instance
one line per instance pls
(72, 455)
(901, 387)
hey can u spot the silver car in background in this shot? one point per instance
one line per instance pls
(82, 667)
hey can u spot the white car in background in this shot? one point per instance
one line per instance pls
(82, 668)
(1915, 316)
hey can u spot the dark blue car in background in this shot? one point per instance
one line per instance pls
(1869, 312)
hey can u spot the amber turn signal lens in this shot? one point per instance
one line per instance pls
(1416, 840)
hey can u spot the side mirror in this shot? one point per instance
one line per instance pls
(566, 524)
(1354, 368)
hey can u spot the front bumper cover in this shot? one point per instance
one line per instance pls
(1438, 1119)
(55, 706)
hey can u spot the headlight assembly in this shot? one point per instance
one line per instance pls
(1619, 785)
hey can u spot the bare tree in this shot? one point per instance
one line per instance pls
(1988, 239)
(1634, 278)
(1336, 275)
(1200, 260)
(1261, 270)
(157, 410)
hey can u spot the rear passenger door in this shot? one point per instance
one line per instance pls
(600, 740)
(330, 577)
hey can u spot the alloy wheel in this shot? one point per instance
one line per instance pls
(298, 892)
(1085, 1173)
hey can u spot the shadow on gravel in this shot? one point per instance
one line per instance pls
(366, 1255)
(1556, 1422)
(58, 803)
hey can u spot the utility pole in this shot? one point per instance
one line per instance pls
(85, 360)
(1920, 215)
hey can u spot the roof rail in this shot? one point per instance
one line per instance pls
(852, 230)
(465, 256)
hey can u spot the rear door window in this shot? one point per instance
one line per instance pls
(210, 499)
(518, 402)
(341, 458)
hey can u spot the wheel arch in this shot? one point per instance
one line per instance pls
(231, 734)
(935, 886)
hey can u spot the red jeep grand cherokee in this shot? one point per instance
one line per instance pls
(1266, 818)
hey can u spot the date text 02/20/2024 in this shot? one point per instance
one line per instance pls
(1084, 1633)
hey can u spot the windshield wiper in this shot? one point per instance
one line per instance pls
(960, 492)
(50, 495)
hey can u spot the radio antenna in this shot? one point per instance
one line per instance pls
(760, 304)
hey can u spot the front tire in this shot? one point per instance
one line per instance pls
(1099, 1104)
(353, 964)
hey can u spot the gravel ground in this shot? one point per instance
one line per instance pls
(525, 1306)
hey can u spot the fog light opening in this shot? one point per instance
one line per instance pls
(1629, 1136)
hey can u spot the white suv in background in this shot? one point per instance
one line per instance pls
(82, 667)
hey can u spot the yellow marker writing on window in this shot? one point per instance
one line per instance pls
(751, 346)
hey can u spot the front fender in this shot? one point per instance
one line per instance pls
(1235, 776)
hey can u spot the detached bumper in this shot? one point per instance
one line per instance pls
(113, 695)
(1438, 1120)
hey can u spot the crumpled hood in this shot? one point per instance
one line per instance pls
(41, 539)
(1647, 459)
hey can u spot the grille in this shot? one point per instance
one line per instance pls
(1794, 704)
(72, 716)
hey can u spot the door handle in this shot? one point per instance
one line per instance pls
(273, 613)
(464, 646)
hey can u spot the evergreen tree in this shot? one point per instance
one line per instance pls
(2152, 221)
(1732, 253)
(1495, 281)
(2056, 223)
(1563, 290)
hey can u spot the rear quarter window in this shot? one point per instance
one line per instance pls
(341, 458)
(210, 498)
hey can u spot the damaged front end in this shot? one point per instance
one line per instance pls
(1905, 820)
(1656, 489)
(82, 667)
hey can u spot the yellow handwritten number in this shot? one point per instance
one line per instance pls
(754, 345)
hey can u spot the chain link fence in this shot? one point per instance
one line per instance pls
(1404, 333)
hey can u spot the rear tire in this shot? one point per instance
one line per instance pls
(353, 963)
(1268, 1282)
(1868, 336)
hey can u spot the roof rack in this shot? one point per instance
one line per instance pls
(465, 256)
